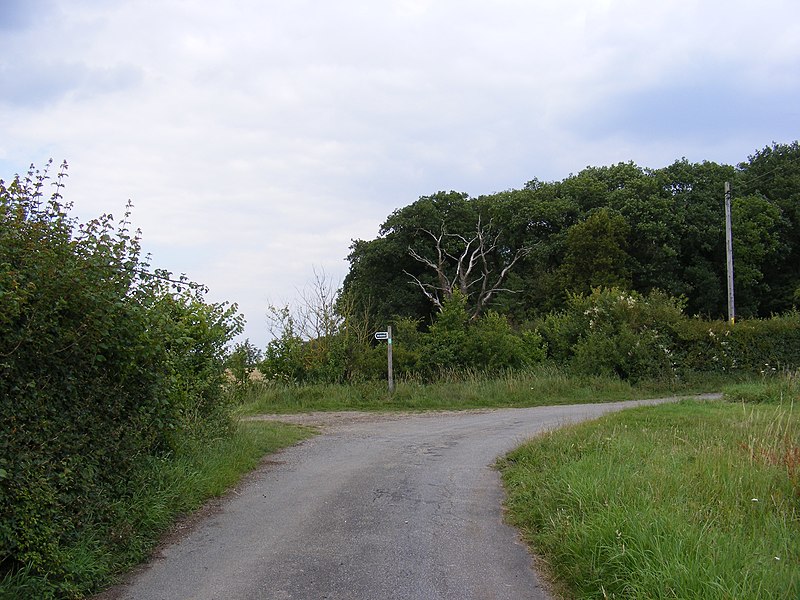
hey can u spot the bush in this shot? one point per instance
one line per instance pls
(454, 342)
(614, 332)
(102, 365)
(756, 346)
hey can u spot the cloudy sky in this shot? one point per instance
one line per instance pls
(256, 138)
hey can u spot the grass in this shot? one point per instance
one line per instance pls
(687, 500)
(545, 385)
(168, 488)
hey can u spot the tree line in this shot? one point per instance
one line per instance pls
(523, 252)
(500, 281)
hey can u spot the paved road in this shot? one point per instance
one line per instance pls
(378, 507)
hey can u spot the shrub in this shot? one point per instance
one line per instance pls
(455, 342)
(614, 332)
(102, 365)
(756, 346)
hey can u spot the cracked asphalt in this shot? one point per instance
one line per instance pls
(376, 507)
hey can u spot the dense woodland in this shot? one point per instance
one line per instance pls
(624, 225)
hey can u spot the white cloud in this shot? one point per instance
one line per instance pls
(257, 138)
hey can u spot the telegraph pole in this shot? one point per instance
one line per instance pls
(729, 251)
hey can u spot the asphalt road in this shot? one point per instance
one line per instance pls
(377, 507)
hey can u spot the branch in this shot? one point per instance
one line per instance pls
(432, 296)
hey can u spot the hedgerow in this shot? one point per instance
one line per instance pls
(634, 337)
(103, 365)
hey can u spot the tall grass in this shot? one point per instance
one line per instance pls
(464, 389)
(691, 500)
(168, 487)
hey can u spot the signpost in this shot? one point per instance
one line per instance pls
(387, 335)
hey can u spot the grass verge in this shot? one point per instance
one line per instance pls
(168, 488)
(688, 500)
(544, 385)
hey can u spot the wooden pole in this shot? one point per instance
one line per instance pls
(389, 359)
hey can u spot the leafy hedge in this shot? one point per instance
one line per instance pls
(755, 346)
(102, 365)
(611, 331)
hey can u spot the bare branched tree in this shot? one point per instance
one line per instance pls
(316, 309)
(468, 269)
(319, 312)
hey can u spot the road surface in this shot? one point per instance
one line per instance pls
(376, 507)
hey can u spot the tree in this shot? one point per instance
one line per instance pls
(597, 253)
(377, 277)
(243, 361)
(757, 226)
(773, 173)
(476, 266)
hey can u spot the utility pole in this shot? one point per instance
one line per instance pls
(729, 251)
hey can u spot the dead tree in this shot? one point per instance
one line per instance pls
(468, 269)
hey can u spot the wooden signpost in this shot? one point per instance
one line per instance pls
(387, 335)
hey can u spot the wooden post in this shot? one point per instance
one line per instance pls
(389, 359)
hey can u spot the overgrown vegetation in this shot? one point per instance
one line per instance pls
(608, 332)
(105, 370)
(691, 500)
(542, 385)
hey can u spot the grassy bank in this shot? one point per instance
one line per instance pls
(691, 500)
(544, 385)
(168, 488)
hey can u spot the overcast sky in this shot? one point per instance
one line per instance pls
(257, 138)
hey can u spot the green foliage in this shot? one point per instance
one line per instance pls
(102, 365)
(284, 356)
(596, 253)
(757, 241)
(454, 342)
(304, 351)
(241, 365)
(638, 337)
(613, 332)
(755, 346)
(622, 225)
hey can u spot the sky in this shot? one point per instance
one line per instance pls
(256, 139)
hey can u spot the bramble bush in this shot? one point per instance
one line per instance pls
(757, 346)
(103, 365)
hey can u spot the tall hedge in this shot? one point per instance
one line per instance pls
(102, 365)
